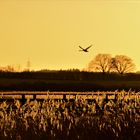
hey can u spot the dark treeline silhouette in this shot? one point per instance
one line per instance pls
(70, 75)
(68, 80)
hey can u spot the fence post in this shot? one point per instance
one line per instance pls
(34, 97)
(23, 100)
(106, 98)
(64, 96)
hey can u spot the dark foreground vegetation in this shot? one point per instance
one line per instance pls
(68, 81)
(71, 120)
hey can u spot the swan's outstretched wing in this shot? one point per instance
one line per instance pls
(88, 47)
(81, 47)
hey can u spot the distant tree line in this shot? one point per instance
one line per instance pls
(65, 75)
(105, 63)
(16, 68)
(68, 81)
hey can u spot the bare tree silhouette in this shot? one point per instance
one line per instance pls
(101, 63)
(122, 64)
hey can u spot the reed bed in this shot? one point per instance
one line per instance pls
(79, 119)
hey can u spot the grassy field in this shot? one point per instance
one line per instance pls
(77, 119)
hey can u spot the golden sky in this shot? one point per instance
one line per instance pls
(48, 32)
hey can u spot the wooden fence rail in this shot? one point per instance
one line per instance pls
(34, 94)
(64, 94)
